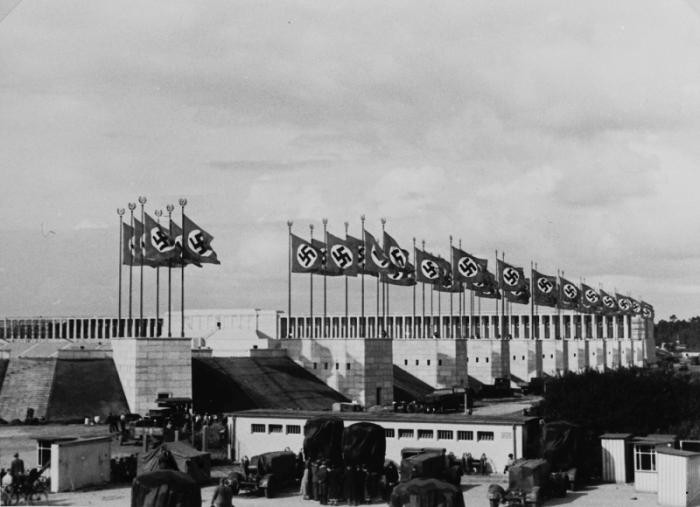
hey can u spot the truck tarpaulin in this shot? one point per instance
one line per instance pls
(323, 438)
(364, 443)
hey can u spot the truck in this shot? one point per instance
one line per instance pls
(430, 464)
(267, 473)
(530, 482)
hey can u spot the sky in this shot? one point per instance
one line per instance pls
(561, 132)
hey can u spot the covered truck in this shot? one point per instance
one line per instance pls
(323, 437)
(431, 464)
(266, 473)
(364, 443)
(531, 482)
(182, 456)
(424, 492)
(564, 447)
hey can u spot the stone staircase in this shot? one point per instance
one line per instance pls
(27, 384)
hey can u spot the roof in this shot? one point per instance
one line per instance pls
(616, 436)
(455, 418)
(225, 384)
(677, 452)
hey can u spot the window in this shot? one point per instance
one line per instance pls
(404, 433)
(347, 366)
(293, 429)
(417, 362)
(428, 362)
(325, 366)
(487, 359)
(315, 366)
(484, 435)
(440, 362)
(257, 428)
(523, 358)
(425, 434)
(389, 432)
(337, 366)
(274, 428)
(644, 458)
(405, 362)
(465, 435)
(477, 359)
(445, 435)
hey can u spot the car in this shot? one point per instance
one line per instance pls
(430, 464)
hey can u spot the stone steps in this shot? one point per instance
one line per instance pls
(27, 384)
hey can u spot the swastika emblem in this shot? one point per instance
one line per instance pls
(624, 304)
(198, 243)
(361, 255)
(646, 312)
(608, 301)
(545, 285)
(380, 261)
(591, 296)
(306, 256)
(342, 256)
(398, 256)
(160, 240)
(511, 276)
(480, 285)
(570, 291)
(636, 307)
(468, 267)
(430, 269)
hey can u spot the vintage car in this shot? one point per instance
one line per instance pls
(531, 482)
(430, 465)
(266, 473)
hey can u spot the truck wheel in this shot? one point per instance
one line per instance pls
(269, 491)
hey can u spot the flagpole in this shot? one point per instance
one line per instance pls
(158, 213)
(461, 294)
(182, 202)
(498, 284)
(556, 331)
(347, 322)
(120, 212)
(451, 293)
(413, 319)
(325, 271)
(423, 296)
(504, 328)
(383, 220)
(142, 201)
(311, 287)
(439, 311)
(132, 207)
(289, 278)
(532, 303)
(362, 281)
(170, 209)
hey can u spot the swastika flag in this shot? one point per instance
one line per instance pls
(127, 238)
(609, 303)
(160, 247)
(405, 278)
(427, 267)
(137, 244)
(647, 310)
(358, 250)
(624, 304)
(341, 255)
(521, 296)
(510, 278)
(467, 268)
(198, 242)
(590, 299)
(545, 288)
(375, 260)
(306, 258)
(487, 287)
(396, 255)
(328, 268)
(176, 234)
(569, 294)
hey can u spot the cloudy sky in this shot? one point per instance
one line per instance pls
(562, 132)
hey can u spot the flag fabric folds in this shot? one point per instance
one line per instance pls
(521, 296)
(341, 256)
(358, 249)
(636, 306)
(545, 289)
(327, 267)
(403, 277)
(510, 278)
(590, 299)
(569, 294)
(468, 268)
(375, 260)
(624, 304)
(306, 258)
(160, 247)
(396, 255)
(647, 310)
(487, 287)
(427, 267)
(127, 245)
(138, 247)
(198, 242)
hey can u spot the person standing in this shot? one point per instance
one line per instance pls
(323, 484)
(223, 495)
(349, 485)
(16, 469)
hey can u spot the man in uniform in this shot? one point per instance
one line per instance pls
(16, 469)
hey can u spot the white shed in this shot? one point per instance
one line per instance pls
(645, 469)
(617, 457)
(678, 477)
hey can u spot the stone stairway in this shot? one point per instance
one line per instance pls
(27, 384)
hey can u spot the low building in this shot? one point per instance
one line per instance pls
(257, 431)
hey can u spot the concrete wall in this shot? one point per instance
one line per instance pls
(355, 367)
(612, 354)
(577, 355)
(488, 359)
(148, 366)
(626, 357)
(437, 362)
(596, 354)
(555, 356)
(525, 358)
(79, 463)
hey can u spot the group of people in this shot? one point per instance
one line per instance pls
(472, 465)
(329, 483)
(15, 474)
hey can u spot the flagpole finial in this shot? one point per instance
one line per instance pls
(158, 213)
(182, 201)
(311, 227)
(132, 206)
(289, 223)
(362, 217)
(347, 224)
(450, 239)
(121, 211)
(325, 221)
(383, 220)
(170, 208)
(142, 199)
